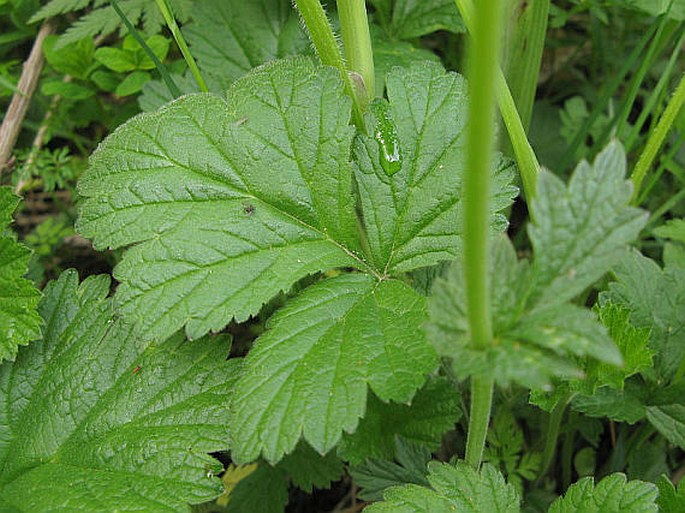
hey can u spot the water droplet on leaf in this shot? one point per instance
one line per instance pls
(385, 133)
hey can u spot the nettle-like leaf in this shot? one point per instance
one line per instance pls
(410, 465)
(19, 320)
(413, 215)
(670, 500)
(230, 37)
(103, 19)
(229, 201)
(433, 411)
(656, 300)
(578, 232)
(308, 374)
(91, 403)
(613, 494)
(415, 18)
(454, 488)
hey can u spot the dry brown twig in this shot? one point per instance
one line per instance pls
(14, 117)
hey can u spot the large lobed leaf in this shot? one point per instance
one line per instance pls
(581, 229)
(229, 201)
(613, 494)
(454, 488)
(19, 320)
(230, 37)
(656, 300)
(308, 374)
(578, 232)
(413, 216)
(461, 488)
(433, 411)
(92, 404)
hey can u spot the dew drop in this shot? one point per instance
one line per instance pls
(385, 133)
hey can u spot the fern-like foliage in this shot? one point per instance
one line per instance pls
(101, 19)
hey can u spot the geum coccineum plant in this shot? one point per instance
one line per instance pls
(296, 179)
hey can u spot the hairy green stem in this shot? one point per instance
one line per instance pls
(163, 7)
(483, 56)
(354, 26)
(567, 456)
(525, 156)
(171, 85)
(479, 419)
(657, 137)
(552, 434)
(327, 49)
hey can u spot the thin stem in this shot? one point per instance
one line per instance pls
(354, 26)
(525, 156)
(581, 135)
(321, 34)
(656, 95)
(181, 42)
(483, 57)
(552, 435)
(481, 404)
(656, 139)
(523, 52)
(171, 85)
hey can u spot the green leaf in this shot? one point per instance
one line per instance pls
(389, 54)
(93, 404)
(156, 93)
(674, 229)
(631, 341)
(375, 476)
(228, 202)
(666, 412)
(413, 217)
(579, 231)
(75, 59)
(308, 469)
(416, 18)
(132, 83)
(656, 300)
(230, 37)
(68, 90)
(670, 500)
(102, 20)
(57, 7)
(19, 321)
(116, 59)
(627, 405)
(613, 494)
(531, 346)
(674, 8)
(454, 488)
(264, 491)
(308, 374)
(433, 411)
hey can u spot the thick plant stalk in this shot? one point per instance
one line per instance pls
(657, 137)
(354, 26)
(525, 156)
(483, 57)
(14, 117)
(327, 49)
